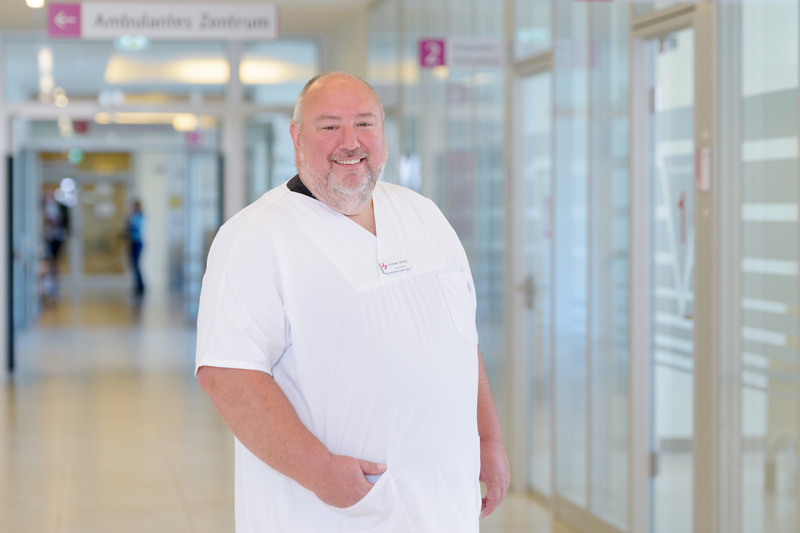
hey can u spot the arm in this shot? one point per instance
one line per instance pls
(495, 470)
(260, 415)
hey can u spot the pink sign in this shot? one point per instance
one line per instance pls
(431, 53)
(64, 21)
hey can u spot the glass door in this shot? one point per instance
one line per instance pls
(670, 61)
(537, 230)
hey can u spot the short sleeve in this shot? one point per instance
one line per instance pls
(241, 321)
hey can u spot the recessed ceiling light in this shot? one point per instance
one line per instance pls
(193, 70)
(36, 4)
(132, 42)
(185, 122)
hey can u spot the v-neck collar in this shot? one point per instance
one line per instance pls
(357, 253)
(296, 185)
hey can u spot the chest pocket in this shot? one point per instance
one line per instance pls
(460, 296)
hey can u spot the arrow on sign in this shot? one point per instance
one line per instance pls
(62, 20)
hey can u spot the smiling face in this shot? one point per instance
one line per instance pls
(340, 149)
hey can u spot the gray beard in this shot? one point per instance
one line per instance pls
(336, 195)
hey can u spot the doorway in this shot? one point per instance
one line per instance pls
(663, 248)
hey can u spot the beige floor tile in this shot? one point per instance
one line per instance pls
(105, 430)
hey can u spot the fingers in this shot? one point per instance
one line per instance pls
(493, 498)
(371, 469)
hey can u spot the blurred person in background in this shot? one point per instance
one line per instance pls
(135, 234)
(56, 230)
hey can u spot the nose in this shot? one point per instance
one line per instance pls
(349, 139)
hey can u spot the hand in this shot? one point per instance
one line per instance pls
(496, 473)
(343, 483)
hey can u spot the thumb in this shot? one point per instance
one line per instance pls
(371, 468)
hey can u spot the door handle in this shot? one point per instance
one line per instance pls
(528, 289)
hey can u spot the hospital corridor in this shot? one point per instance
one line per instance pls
(621, 180)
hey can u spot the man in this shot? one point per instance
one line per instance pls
(337, 340)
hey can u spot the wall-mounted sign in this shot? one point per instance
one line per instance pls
(101, 20)
(462, 52)
(431, 53)
(64, 21)
(472, 52)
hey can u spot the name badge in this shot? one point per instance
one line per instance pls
(399, 265)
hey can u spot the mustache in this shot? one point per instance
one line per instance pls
(354, 154)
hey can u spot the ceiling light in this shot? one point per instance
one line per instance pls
(67, 185)
(60, 99)
(409, 72)
(184, 122)
(74, 156)
(102, 118)
(132, 42)
(143, 118)
(45, 60)
(198, 70)
(65, 126)
(46, 83)
(441, 72)
(270, 71)
(36, 4)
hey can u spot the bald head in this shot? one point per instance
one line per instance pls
(319, 81)
(340, 148)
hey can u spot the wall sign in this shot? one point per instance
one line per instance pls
(431, 53)
(462, 52)
(64, 21)
(101, 20)
(471, 52)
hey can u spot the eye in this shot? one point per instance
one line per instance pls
(366, 124)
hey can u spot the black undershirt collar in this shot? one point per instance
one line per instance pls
(296, 185)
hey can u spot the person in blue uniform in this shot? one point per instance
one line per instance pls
(135, 232)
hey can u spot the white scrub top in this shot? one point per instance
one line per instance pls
(379, 366)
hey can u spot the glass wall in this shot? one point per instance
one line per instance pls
(449, 126)
(574, 170)
(609, 206)
(759, 73)
(571, 241)
(571, 62)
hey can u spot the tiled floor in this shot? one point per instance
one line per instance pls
(104, 429)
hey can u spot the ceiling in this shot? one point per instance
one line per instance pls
(299, 17)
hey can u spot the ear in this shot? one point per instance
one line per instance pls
(294, 131)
